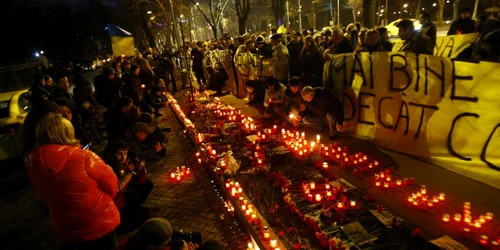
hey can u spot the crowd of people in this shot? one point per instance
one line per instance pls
(90, 196)
(295, 91)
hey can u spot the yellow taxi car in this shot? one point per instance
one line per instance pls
(14, 107)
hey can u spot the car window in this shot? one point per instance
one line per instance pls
(24, 103)
(4, 109)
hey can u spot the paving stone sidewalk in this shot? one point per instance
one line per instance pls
(191, 205)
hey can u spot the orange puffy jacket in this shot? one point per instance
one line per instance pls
(78, 187)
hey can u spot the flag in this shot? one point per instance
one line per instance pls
(122, 41)
(281, 29)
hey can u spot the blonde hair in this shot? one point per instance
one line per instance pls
(55, 129)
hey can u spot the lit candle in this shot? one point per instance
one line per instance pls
(435, 199)
(327, 186)
(172, 175)
(248, 212)
(199, 160)
(410, 199)
(250, 246)
(375, 163)
(328, 193)
(446, 218)
(310, 197)
(228, 185)
(259, 161)
(318, 138)
(386, 184)
(377, 183)
(301, 153)
(263, 137)
(307, 191)
(237, 184)
(325, 165)
(483, 240)
(430, 204)
(415, 203)
(477, 223)
(302, 135)
(197, 153)
(489, 216)
(214, 152)
(468, 219)
(353, 203)
(458, 217)
(467, 205)
(188, 171)
(318, 197)
(340, 204)
(399, 182)
(273, 243)
(312, 185)
(254, 216)
(482, 219)
(243, 207)
(441, 196)
(178, 177)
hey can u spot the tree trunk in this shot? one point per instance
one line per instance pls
(440, 12)
(456, 6)
(214, 30)
(369, 9)
(418, 8)
(354, 15)
(278, 7)
(242, 25)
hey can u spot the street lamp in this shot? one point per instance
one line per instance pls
(197, 4)
(149, 12)
(434, 4)
(405, 5)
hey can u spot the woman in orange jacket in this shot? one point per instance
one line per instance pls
(76, 184)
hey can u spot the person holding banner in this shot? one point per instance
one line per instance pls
(428, 28)
(413, 41)
(324, 107)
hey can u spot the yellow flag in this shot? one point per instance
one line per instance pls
(281, 29)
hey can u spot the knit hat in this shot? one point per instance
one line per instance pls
(153, 232)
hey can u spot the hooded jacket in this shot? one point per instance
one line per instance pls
(78, 188)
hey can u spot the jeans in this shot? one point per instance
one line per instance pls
(318, 123)
(106, 242)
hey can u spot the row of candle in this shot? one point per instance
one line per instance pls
(384, 179)
(235, 188)
(180, 172)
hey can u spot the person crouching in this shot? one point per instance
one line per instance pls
(324, 107)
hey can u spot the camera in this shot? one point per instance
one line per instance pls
(179, 236)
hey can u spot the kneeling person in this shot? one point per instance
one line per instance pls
(324, 107)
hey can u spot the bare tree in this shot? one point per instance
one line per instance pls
(214, 15)
(354, 6)
(158, 11)
(440, 12)
(369, 10)
(243, 9)
(278, 7)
